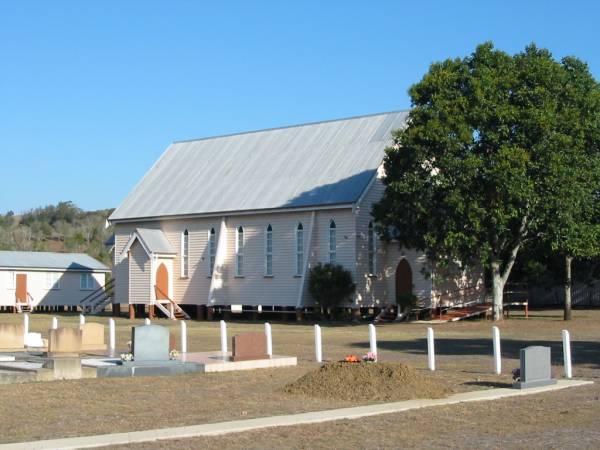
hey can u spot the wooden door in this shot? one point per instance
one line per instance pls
(21, 288)
(162, 282)
(404, 284)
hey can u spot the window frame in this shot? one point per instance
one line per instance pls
(299, 253)
(184, 269)
(268, 269)
(332, 247)
(371, 249)
(239, 251)
(212, 250)
(90, 284)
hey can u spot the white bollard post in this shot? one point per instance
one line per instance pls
(430, 349)
(183, 337)
(81, 319)
(567, 353)
(146, 321)
(223, 337)
(269, 339)
(25, 324)
(373, 339)
(497, 351)
(54, 323)
(111, 336)
(318, 347)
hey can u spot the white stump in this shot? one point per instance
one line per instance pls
(430, 349)
(25, 324)
(223, 337)
(497, 351)
(567, 353)
(146, 321)
(54, 323)
(318, 347)
(269, 339)
(111, 336)
(183, 337)
(81, 319)
(373, 339)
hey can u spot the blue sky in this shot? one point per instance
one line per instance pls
(91, 93)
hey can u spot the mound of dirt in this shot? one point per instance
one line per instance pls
(367, 382)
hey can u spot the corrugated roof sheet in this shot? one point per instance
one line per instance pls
(155, 240)
(317, 164)
(50, 260)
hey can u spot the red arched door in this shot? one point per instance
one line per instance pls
(404, 284)
(162, 282)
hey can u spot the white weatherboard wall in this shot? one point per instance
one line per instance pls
(253, 288)
(69, 292)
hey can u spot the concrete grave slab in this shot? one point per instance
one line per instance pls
(64, 368)
(536, 368)
(35, 340)
(219, 362)
(12, 337)
(92, 337)
(249, 346)
(150, 343)
(64, 342)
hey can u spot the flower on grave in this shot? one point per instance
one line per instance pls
(173, 354)
(351, 359)
(370, 357)
(126, 357)
(516, 374)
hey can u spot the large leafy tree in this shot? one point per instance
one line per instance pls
(470, 176)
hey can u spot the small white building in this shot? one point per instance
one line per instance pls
(30, 280)
(238, 220)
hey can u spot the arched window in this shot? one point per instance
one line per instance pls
(371, 247)
(299, 249)
(269, 250)
(212, 250)
(239, 252)
(185, 254)
(332, 242)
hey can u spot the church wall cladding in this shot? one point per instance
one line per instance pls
(253, 286)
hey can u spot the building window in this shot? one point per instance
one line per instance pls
(212, 250)
(371, 248)
(185, 254)
(269, 251)
(299, 249)
(239, 252)
(86, 282)
(53, 280)
(332, 243)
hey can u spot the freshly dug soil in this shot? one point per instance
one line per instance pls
(367, 382)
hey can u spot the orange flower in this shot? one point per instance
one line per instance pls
(352, 358)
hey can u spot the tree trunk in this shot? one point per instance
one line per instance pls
(497, 290)
(568, 282)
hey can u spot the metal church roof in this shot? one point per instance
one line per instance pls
(318, 164)
(50, 260)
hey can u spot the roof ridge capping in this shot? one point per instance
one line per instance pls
(284, 127)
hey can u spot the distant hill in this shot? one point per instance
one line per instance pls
(60, 228)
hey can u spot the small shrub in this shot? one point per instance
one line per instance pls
(330, 285)
(406, 301)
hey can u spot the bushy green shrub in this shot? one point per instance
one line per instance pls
(406, 301)
(330, 285)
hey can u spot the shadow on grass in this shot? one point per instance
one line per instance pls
(583, 352)
(490, 384)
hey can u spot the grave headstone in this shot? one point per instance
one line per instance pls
(64, 342)
(12, 336)
(92, 337)
(536, 369)
(249, 346)
(150, 343)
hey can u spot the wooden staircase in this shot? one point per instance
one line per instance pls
(24, 306)
(99, 299)
(168, 307)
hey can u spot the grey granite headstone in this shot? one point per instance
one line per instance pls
(150, 343)
(536, 369)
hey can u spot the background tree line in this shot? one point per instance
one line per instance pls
(60, 228)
